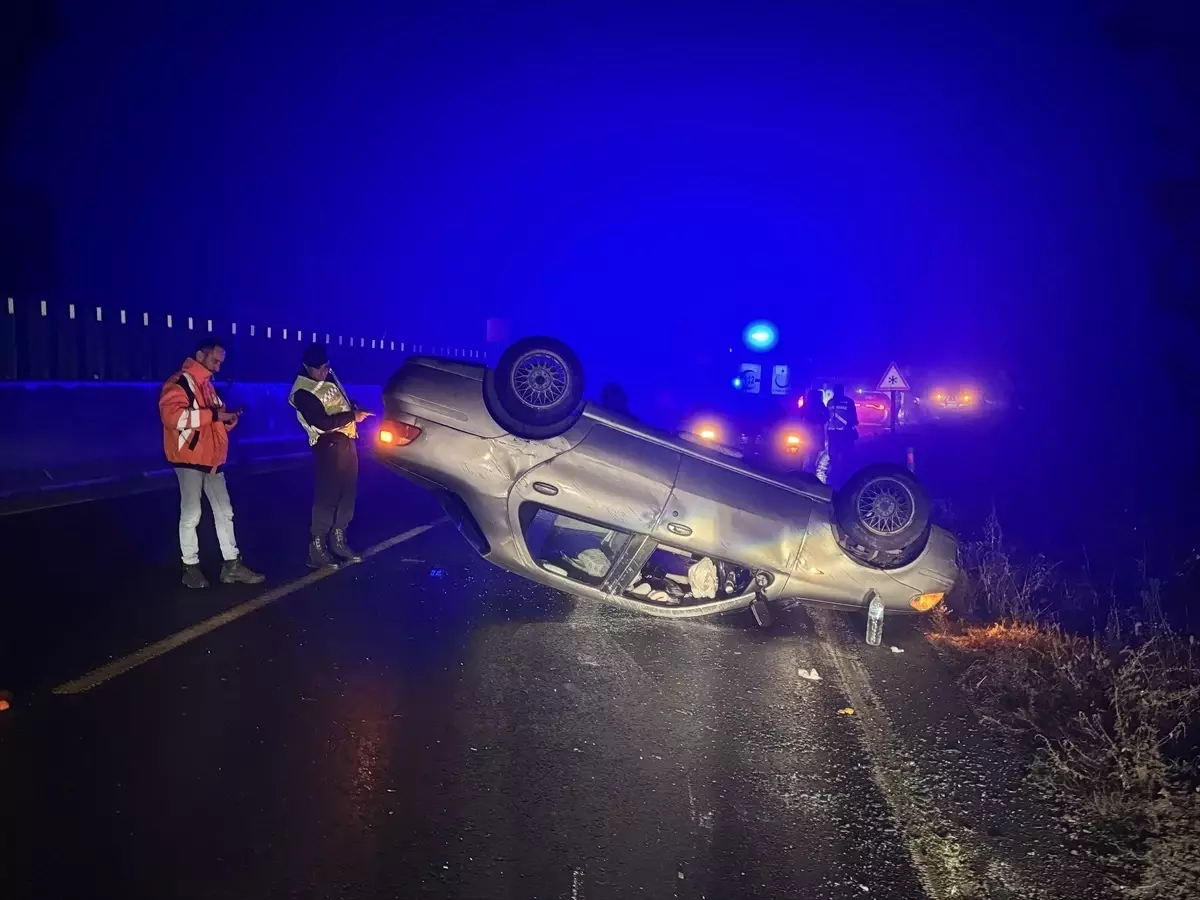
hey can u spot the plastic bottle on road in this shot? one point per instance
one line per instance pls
(875, 621)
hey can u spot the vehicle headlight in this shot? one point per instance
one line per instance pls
(926, 602)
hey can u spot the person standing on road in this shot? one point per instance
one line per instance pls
(842, 429)
(196, 429)
(814, 417)
(330, 420)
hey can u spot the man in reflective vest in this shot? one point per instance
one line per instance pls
(842, 429)
(196, 428)
(330, 420)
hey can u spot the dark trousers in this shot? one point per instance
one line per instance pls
(336, 462)
(841, 445)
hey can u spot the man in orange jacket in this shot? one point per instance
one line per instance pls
(196, 429)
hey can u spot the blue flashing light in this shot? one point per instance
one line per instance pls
(737, 382)
(760, 336)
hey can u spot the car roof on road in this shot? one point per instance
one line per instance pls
(814, 490)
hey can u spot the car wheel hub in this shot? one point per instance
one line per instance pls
(886, 507)
(539, 379)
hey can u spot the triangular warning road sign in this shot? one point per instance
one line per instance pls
(892, 380)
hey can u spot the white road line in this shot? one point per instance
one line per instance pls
(945, 856)
(179, 638)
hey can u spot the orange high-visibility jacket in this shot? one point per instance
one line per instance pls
(187, 405)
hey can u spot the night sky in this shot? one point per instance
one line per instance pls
(938, 184)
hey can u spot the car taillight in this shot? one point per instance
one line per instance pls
(398, 434)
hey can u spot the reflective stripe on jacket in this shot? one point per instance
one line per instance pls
(332, 398)
(842, 415)
(187, 406)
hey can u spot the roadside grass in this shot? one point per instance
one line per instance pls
(1111, 718)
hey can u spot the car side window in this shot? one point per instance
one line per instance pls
(570, 547)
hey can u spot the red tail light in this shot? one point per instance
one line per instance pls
(398, 434)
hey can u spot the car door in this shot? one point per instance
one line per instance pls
(612, 484)
(714, 511)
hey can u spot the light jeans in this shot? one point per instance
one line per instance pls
(193, 482)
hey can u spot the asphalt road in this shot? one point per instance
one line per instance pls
(423, 725)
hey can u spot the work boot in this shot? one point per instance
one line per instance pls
(234, 571)
(337, 543)
(318, 554)
(193, 577)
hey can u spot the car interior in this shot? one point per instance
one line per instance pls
(584, 552)
(675, 577)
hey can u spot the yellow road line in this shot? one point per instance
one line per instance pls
(178, 639)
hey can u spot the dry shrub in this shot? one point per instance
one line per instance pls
(1130, 706)
(995, 585)
(1107, 714)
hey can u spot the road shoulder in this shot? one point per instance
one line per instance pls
(973, 825)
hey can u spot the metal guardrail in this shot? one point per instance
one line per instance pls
(42, 341)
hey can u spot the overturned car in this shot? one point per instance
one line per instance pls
(586, 500)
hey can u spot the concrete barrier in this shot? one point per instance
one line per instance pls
(61, 434)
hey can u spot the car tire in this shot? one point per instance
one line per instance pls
(883, 515)
(536, 389)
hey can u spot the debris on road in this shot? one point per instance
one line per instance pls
(875, 620)
(847, 711)
(809, 674)
(897, 649)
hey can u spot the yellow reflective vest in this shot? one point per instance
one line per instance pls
(332, 397)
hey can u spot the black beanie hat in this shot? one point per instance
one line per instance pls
(315, 356)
